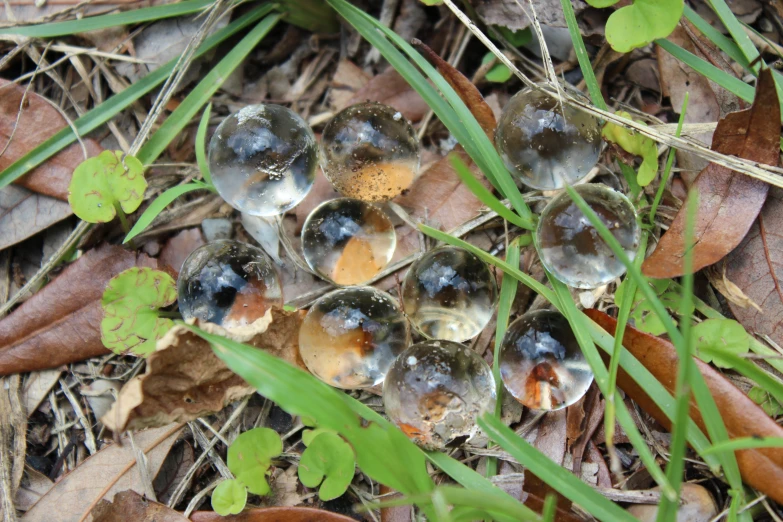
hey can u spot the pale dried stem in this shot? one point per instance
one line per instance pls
(89, 437)
(143, 467)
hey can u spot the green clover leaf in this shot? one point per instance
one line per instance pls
(498, 73)
(637, 145)
(719, 336)
(103, 184)
(328, 461)
(130, 306)
(768, 403)
(641, 310)
(640, 23)
(250, 456)
(229, 498)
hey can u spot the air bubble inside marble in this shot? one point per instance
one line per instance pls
(263, 159)
(436, 390)
(570, 247)
(348, 241)
(541, 364)
(228, 283)
(370, 152)
(351, 336)
(449, 294)
(547, 145)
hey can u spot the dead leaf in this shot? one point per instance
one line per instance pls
(24, 213)
(697, 506)
(185, 380)
(60, 324)
(174, 470)
(734, 294)
(38, 121)
(34, 486)
(273, 514)
(29, 10)
(111, 470)
(347, 79)
(551, 439)
(129, 505)
(391, 89)
(509, 13)
(178, 248)
(761, 468)
(756, 267)
(535, 492)
(36, 388)
(728, 201)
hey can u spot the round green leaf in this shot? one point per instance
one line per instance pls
(130, 307)
(637, 145)
(498, 73)
(229, 498)
(330, 459)
(250, 455)
(719, 336)
(767, 402)
(640, 23)
(102, 183)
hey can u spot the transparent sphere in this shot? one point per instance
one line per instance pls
(541, 363)
(348, 241)
(228, 283)
(449, 293)
(547, 145)
(370, 152)
(570, 247)
(351, 336)
(436, 390)
(263, 159)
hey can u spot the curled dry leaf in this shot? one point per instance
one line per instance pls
(129, 505)
(761, 468)
(111, 470)
(728, 201)
(273, 514)
(24, 213)
(185, 380)
(60, 324)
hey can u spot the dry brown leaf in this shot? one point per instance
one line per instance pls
(509, 13)
(29, 10)
(273, 514)
(347, 79)
(130, 506)
(60, 324)
(111, 470)
(734, 294)
(761, 468)
(185, 380)
(551, 439)
(728, 202)
(178, 248)
(38, 121)
(756, 267)
(391, 89)
(23, 213)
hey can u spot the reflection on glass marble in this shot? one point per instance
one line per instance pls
(263, 159)
(547, 145)
(570, 247)
(351, 336)
(228, 283)
(449, 293)
(370, 152)
(348, 241)
(541, 363)
(436, 390)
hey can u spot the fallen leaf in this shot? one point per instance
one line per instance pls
(36, 388)
(728, 201)
(535, 492)
(756, 267)
(60, 324)
(39, 121)
(551, 439)
(697, 506)
(390, 88)
(28, 11)
(184, 379)
(509, 13)
(347, 79)
(34, 486)
(761, 468)
(24, 213)
(273, 514)
(129, 505)
(178, 248)
(111, 470)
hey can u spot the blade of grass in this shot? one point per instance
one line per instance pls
(160, 203)
(94, 23)
(201, 143)
(200, 94)
(734, 26)
(581, 55)
(549, 511)
(746, 368)
(669, 162)
(745, 443)
(723, 43)
(102, 113)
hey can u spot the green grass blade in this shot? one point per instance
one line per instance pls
(160, 203)
(201, 144)
(581, 55)
(723, 43)
(745, 443)
(204, 91)
(557, 477)
(117, 103)
(734, 26)
(746, 368)
(669, 162)
(95, 23)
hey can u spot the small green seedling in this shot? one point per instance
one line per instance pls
(329, 462)
(635, 144)
(722, 336)
(131, 321)
(767, 402)
(640, 23)
(250, 456)
(641, 310)
(229, 498)
(498, 73)
(105, 186)
(516, 38)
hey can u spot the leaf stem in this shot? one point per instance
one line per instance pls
(123, 217)
(669, 161)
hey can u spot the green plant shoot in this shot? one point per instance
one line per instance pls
(723, 336)
(229, 498)
(635, 144)
(640, 23)
(329, 462)
(498, 73)
(250, 456)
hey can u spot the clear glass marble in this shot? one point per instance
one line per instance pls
(370, 152)
(351, 336)
(348, 241)
(228, 283)
(541, 363)
(436, 390)
(449, 293)
(570, 247)
(263, 159)
(547, 145)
